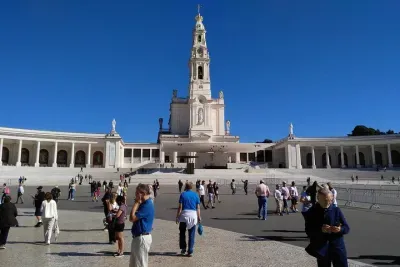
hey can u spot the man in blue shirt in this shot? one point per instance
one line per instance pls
(188, 216)
(142, 216)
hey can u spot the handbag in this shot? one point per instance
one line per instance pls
(200, 229)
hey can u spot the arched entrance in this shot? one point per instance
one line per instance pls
(44, 157)
(80, 158)
(378, 158)
(62, 157)
(362, 159)
(346, 163)
(395, 158)
(98, 159)
(324, 160)
(24, 156)
(6, 155)
(309, 160)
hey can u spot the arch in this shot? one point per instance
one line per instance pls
(80, 158)
(43, 157)
(5, 156)
(324, 160)
(62, 157)
(395, 158)
(98, 158)
(200, 72)
(362, 158)
(378, 158)
(199, 38)
(309, 160)
(24, 156)
(346, 162)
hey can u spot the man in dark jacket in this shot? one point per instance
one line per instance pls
(38, 199)
(8, 212)
(325, 226)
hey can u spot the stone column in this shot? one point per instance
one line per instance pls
(162, 156)
(72, 164)
(390, 164)
(175, 157)
(55, 154)
(373, 156)
(37, 154)
(265, 159)
(313, 158)
(342, 157)
(328, 163)
(298, 157)
(237, 157)
(247, 157)
(88, 158)
(357, 158)
(1, 151)
(132, 156)
(150, 155)
(19, 154)
(141, 155)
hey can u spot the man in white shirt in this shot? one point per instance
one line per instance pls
(262, 193)
(20, 194)
(334, 194)
(201, 191)
(286, 195)
(278, 200)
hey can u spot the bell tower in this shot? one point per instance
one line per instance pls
(199, 63)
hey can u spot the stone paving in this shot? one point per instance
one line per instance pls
(83, 242)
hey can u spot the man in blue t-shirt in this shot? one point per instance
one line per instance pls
(188, 216)
(142, 216)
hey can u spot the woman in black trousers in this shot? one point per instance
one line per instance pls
(8, 212)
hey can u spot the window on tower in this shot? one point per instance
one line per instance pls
(199, 39)
(200, 72)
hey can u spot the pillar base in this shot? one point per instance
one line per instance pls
(87, 165)
(343, 166)
(54, 165)
(328, 166)
(358, 166)
(374, 166)
(299, 167)
(390, 165)
(71, 166)
(18, 164)
(314, 166)
(1, 163)
(37, 164)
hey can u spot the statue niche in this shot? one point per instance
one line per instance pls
(200, 116)
(200, 72)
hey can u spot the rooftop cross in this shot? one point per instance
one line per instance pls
(198, 8)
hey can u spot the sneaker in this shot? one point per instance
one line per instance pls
(38, 224)
(119, 255)
(3, 247)
(190, 254)
(213, 207)
(48, 243)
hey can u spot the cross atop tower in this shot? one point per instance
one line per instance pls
(198, 8)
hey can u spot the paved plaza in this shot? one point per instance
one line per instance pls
(232, 234)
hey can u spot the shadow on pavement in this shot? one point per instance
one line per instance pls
(381, 259)
(82, 230)
(170, 254)
(274, 238)
(236, 219)
(284, 231)
(41, 243)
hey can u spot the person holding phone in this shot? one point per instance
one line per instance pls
(325, 226)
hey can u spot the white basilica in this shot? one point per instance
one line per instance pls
(197, 132)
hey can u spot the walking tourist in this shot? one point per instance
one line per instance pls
(120, 226)
(50, 216)
(119, 189)
(294, 196)
(93, 187)
(312, 192)
(20, 194)
(38, 200)
(180, 184)
(286, 196)
(245, 185)
(142, 217)
(126, 184)
(187, 217)
(56, 193)
(334, 194)
(279, 200)
(325, 226)
(8, 214)
(233, 186)
(216, 192)
(104, 185)
(111, 185)
(111, 217)
(202, 192)
(210, 192)
(106, 200)
(306, 200)
(262, 193)
(6, 192)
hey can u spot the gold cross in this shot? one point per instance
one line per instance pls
(198, 8)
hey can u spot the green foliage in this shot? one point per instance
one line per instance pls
(362, 130)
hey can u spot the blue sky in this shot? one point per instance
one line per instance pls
(326, 66)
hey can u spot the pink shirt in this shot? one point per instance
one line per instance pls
(262, 190)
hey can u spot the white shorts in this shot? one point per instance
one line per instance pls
(210, 196)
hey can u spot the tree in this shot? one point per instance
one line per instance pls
(362, 130)
(266, 141)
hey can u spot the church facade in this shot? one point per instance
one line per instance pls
(198, 132)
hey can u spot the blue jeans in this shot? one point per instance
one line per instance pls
(262, 207)
(73, 193)
(182, 237)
